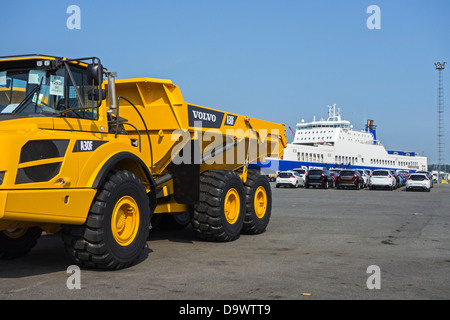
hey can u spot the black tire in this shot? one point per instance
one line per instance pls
(97, 243)
(18, 242)
(209, 221)
(256, 221)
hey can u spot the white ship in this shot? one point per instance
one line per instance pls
(333, 143)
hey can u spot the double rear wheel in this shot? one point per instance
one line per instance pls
(227, 207)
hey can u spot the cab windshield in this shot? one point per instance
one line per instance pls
(35, 91)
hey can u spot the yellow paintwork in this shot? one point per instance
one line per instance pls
(125, 221)
(232, 206)
(260, 202)
(46, 206)
(161, 103)
(67, 197)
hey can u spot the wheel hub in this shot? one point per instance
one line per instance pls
(125, 220)
(260, 202)
(232, 206)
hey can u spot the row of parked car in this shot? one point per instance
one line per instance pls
(354, 178)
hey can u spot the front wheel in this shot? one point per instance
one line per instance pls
(15, 243)
(117, 226)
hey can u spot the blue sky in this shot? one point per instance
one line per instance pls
(282, 60)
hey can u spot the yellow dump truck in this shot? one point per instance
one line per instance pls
(101, 160)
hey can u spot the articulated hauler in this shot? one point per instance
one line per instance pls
(102, 160)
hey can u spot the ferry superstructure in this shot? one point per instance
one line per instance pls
(333, 143)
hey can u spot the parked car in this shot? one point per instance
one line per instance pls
(404, 174)
(365, 176)
(335, 171)
(396, 179)
(288, 179)
(319, 177)
(272, 177)
(429, 175)
(402, 179)
(381, 178)
(350, 178)
(334, 175)
(418, 181)
(302, 173)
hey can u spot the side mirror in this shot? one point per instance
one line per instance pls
(97, 94)
(95, 74)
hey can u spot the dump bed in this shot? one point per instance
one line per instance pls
(181, 132)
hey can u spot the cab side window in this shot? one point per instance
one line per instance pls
(71, 101)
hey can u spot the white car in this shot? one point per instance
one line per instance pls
(302, 173)
(381, 178)
(288, 179)
(429, 175)
(418, 181)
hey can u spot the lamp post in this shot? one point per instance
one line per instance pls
(440, 110)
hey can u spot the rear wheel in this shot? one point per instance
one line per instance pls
(117, 226)
(258, 203)
(219, 215)
(15, 243)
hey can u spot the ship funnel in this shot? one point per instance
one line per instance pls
(370, 127)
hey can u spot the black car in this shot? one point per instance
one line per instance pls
(319, 177)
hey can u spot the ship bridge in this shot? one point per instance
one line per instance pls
(331, 131)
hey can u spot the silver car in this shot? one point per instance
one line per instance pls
(302, 173)
(288, 179)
